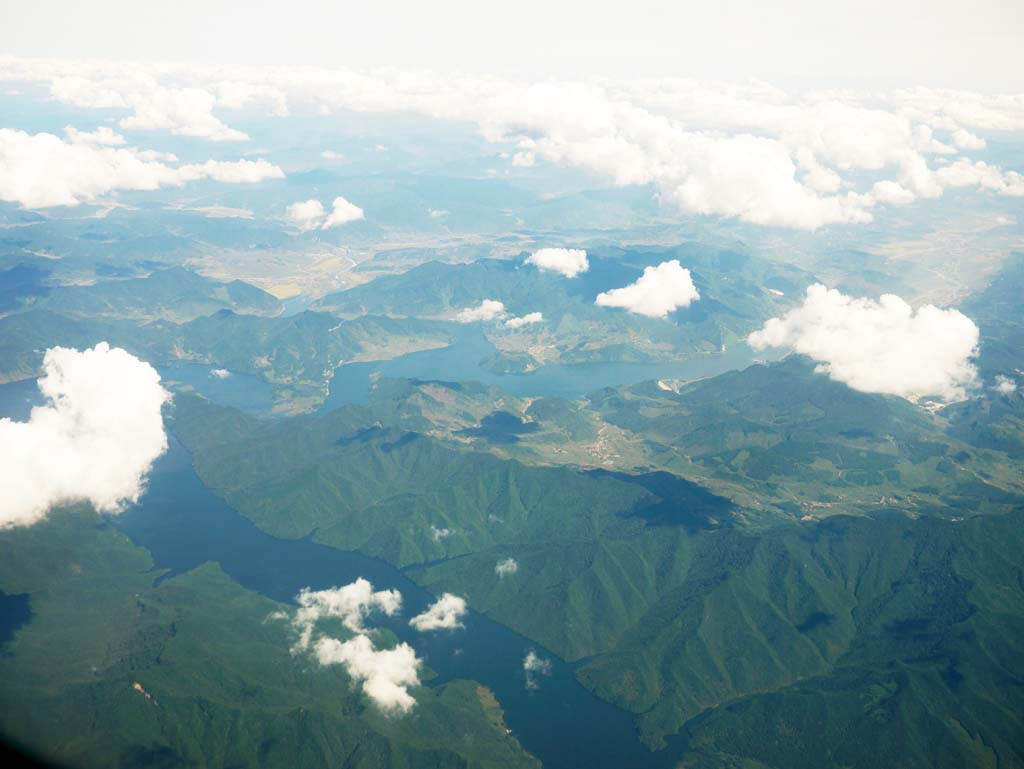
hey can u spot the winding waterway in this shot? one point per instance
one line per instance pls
(183, 525)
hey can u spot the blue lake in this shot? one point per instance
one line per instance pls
(461, 362)
(241, 391)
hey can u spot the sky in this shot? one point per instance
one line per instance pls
(884, 43)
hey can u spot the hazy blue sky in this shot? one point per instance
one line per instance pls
(807, 42)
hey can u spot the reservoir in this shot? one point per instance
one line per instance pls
(184, 525)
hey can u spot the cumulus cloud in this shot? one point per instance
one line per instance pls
(103, 135)
(506, 567)
(80, 91)
(311, 215)
(306, 214)
(232, 172)
(1005, 385)
(879, 347)
(534, 666)
(42, 170)
(182, 111)
(351, 604)
(444, 614)
(744, 150)
(220, 373)
(570, 262)
(893, 193)
(525, 320)
(342, 212)
(965, 173)
(488, 309)
(94, 440)
(239, 94)
(659, 291)
(440, 534)
(385, 674)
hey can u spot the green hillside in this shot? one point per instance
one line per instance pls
(784, 437)
(175, 294)
(734, 301)
(684, 606)
(112, 671)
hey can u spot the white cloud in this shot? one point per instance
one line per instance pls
(104, 135)
(232, 172)
(182, 111)
(239, 94)
(386, 674)
(966, 173)
(659, 291)
(879, 347)
(84, 92)
(342, 212)
(891, 192)
(220, 373)
(1005, 385)
(306, 214)
(525, 320)
(965, 140)
(570, 262)
(440, 534)
(444, 614)
(351, 603)
(95, 439)
(533, 666)
(311, 215)
(748, 150)
(332, 155)
(488, 309)
(42, 170)
(506, 567)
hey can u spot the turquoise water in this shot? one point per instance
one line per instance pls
(460, 362)
(241, 391)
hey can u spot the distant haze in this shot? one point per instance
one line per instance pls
(791, 42)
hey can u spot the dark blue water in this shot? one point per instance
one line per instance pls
(501, 427)
(15, 611)
(461, 361)
(16, 402)
(184, 525)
